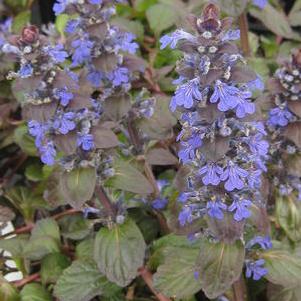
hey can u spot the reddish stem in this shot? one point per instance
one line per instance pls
(244, 29)
(28, 279)
(147, 276)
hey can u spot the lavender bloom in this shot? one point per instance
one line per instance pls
(227, 96)
(186, 94)
(185, 196)
(233, 176)
(256, 84)
(25, 71)
(185, 216)
(86, 141)
(188, 148)
(82, 51)
(48, 153)
(119, 76)
(64, 96)
(212, 172)
(215, 209)
(241, 209)
(89, 210)
(231, 35)
(159, 203)
(72, 26)
(173, 39)
(95, 78)
(59, 7)
(244, 106)
(36, 130)
(260, 3)
(257, 145)
(254, 179)
(96, 2)
(264, 242)
(126, 43)
(280, 117)
(255, 269)
(64, 124)
(57, 53)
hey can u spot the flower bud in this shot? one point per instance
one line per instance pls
(29, 35)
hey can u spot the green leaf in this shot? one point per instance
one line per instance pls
(135, 27)
(46, 227)
(175, 278)
(82, 281)
(14, 245)
(84, 250)
(7, 291)
(21, 20)
(75, 227)
(35, 292)
(294, 16)
(25, 141)
(161, 17)
(219, 266)
(78, 185)
(128, 178)
(288, 213)
(143, 5)
(268, 16)
(283, 268)
(232, 7)
(52, 267)
(119, 252)
(278, 293)
(60, 23)
(34, 172)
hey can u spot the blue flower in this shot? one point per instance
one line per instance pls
(82, 51)
(72, 25)
(95, 77)
(88, 210)
(231, 35)
(279, 117)
(185, 215)
(185, 95)
(86, 141)
(159, 203)
(260, 3)
(257, 145)
(244, 106)
(119, 76)
(64, 124)
(25, 71)
(187, 152)
(227, 96)
(263, 241)
(256, 84)
(174, 38)
(215, 209)
(97, 2)
(36, 130)
(48, 153)
(233, 175)
(254, 179)
(212, 172)
(63, 95)
(126, 43)
(60, 7)
(185, 196)
(241, 209)
(57, 53)
(255, 269)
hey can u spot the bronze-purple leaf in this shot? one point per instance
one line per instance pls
(160, 156)
(293, 133)
(104, 138)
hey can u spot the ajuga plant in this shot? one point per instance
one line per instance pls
(221, 143)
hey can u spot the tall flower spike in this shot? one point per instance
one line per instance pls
(220, 143)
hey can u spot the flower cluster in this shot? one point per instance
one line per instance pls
(67, 86)
(220, 142)
(284, 125)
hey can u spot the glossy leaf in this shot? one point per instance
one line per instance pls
(35, 292)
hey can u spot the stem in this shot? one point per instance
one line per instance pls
(239, 290)
(148, 279)
(244, 29)
(28, 279)
(150, 176)
(105, 201)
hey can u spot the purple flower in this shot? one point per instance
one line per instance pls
(159, 203)
(263, 241)
(279, 117)
(36, 130)
(57, 53)
(185, 95)
(241, 209)
(72, 25)
(185, 196)
(255, 269)
(257, 145)
(187, 152)
(89, 210)
(119, 76)
(95, 77)
(231, 35)
(260, 3)
(82, 51)
(256, 84)
(63, 95)
(227, 96)
(86, 141)
(25, 71)
(48, 153)
(126, 43)
(174, 38)
(59, 7)
(254, 179)
(212, 172)
(215, 209)
(233, 175)
(64, 124)
(185, 215)
(244, 106)
(97, 2)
